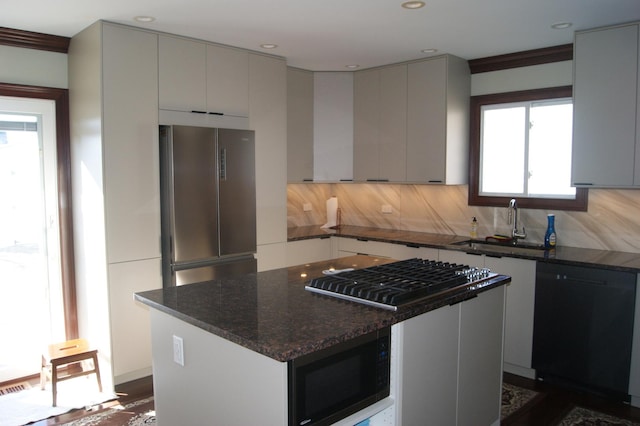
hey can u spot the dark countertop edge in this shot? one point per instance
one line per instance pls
(284, 355)
(576, 256)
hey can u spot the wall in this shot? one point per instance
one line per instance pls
(611, 222)
(33, 67)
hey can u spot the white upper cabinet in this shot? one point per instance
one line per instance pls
(227, 81)
(438, 121)
(299, 125)
(182, 67)
(606, 140)
(411, 122)
(199, 77)
(380, 124)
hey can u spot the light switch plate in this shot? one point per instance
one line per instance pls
(178, 350)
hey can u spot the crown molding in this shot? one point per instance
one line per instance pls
(31, 40)
(522, 59)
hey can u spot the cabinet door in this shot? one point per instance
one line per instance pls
(305, 251)
(129, 319)
(428, 371)
(392, 138)
(402, 252)
(427, 121)
(299, 125)
(480, 365)
(130, 144)
(268, 107)
(182, 74)
(605, 107)
(518, 340)
(366, 113)
(351, 246)
(227, 81)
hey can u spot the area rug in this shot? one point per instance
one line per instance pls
(514, 398)
(137, 413)
(30, 405)
(579, 416)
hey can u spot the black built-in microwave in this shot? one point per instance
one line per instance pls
(333, 383)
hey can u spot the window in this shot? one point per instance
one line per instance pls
(521, 148)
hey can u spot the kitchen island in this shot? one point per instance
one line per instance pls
(239, 334)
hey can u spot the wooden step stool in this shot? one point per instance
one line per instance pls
(64, 353)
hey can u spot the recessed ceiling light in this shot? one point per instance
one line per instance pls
(352, 66)
(561, 25)
(268, 46)
(429, 50)
(145, 19)
(413, 4)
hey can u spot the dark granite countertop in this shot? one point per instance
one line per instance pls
(615, 260)
(271, 313)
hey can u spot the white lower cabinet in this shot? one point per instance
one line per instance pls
(518, 338)
(402, 252)
(351, 246)
(450, 364)
(305, 251)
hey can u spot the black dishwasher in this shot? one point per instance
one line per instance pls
(583, 328)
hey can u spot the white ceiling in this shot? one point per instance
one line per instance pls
(327, 35)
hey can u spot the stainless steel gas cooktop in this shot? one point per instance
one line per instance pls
(398, 284)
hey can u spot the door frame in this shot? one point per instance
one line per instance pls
(63, 150)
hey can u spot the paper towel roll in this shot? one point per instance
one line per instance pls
(332, 213)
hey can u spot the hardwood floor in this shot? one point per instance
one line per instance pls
(556, 402)
(127, 392)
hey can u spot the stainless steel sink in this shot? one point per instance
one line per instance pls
(520, 247)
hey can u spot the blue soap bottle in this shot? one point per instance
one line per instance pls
(550, 236)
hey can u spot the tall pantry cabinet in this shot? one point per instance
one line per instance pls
(113, 87)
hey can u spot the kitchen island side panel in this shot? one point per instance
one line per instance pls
(220, 382)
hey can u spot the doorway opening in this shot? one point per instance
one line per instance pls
(31, 281)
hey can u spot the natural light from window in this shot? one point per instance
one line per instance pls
(526, 149)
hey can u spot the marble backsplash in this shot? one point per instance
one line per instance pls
(612, 221)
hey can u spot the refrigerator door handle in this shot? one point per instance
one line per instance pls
(223, 164)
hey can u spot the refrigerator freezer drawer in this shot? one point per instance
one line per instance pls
(215, 271)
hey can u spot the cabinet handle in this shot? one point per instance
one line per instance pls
(582, 184)
(307, 179)
(198, 112)
(223, 164)
(346, 180)
(216, 113)
(412, 245)
(377, 180)
(435, 181)
(361, 239)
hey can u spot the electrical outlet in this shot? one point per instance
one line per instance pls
(306, 207)
(387, 209)
(178, 350)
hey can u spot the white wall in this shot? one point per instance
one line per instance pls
(33, 67)
(525, 78)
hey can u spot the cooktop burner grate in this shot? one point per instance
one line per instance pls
(399, 283)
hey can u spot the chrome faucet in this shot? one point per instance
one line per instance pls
(513, 218)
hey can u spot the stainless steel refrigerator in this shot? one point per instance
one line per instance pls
(208, 201)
